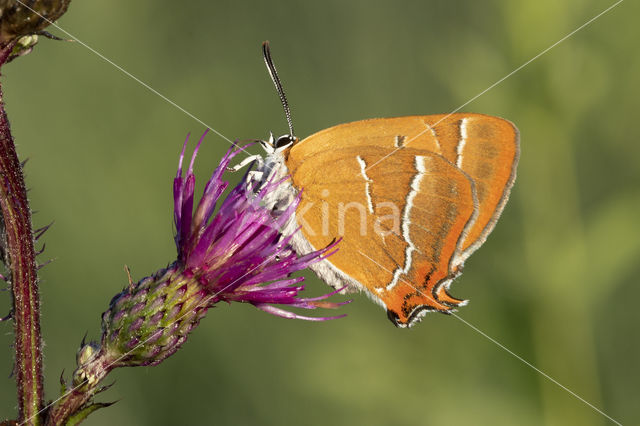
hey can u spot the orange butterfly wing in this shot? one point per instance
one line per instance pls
(449, 178)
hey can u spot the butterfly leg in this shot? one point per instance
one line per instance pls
(244, 162)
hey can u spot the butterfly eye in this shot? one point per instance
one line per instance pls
(283, 141)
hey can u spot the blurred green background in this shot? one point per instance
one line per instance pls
(556, 283)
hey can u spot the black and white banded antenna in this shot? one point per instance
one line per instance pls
(266, 54)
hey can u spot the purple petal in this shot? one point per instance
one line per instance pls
(290, 315)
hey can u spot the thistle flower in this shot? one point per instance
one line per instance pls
(237, 254)
(242, 246)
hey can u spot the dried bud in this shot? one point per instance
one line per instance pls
(19, 19)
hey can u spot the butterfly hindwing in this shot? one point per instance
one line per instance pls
(400, 224)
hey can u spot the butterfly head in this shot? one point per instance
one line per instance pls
(276, 145)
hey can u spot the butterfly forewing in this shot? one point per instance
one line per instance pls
(487, 149)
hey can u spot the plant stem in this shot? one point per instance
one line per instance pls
(24, 281)
(74, 404)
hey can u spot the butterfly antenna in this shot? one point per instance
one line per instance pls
(266, 54)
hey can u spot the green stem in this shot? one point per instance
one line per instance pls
(21, 259)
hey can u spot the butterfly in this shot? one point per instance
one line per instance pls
(411, 198)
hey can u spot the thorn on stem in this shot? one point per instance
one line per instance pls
(40, 231)
(105, 387)
(50, 36)
(39, 252)
(128, 271)
(42, 265)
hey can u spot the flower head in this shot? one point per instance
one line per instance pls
(238, 253)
